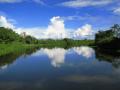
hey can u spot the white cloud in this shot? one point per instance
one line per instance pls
(3, 67)
(55, 30)
(5, 23)
(117, 11)
(56, 55)
(84, 51)
(85, 3)
(83, 31)
(37, 32)
(10, 1)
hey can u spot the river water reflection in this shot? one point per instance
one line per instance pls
(77, 68)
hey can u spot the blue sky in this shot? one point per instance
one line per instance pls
(75, 13)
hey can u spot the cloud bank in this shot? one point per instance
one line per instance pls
(55, 30)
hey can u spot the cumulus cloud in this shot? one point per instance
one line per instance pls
(83, 31)
(55, 30)
(85, 3)
(4, 22)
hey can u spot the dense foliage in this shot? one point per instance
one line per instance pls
(65, 42)
(30, 40)
(9, 36)
(109, 38)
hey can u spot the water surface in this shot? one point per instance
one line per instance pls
(77, 68)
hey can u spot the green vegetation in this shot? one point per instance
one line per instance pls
(13, 45)
(30, 40)
(7, 35)
(65, 42)
(7, 59)
(10, 48)
(10, 42)
(109, 39)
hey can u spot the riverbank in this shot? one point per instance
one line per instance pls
(15, 47)
(10, 48)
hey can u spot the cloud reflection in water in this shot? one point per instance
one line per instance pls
(57, 55)
(84, 51)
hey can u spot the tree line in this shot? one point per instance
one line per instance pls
(109, 39)
(10, 36)
(104, 38)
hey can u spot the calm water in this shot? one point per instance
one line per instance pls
(77, 68)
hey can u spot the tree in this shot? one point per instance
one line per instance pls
(30, 40)
(116, 30)
(8, 35)
(109, 38)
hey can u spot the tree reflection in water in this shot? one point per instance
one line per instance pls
(60, 69)
(109, 56)
(58, 55)
(8, 59)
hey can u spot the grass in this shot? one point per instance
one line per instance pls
(20, 47)
(10, 48)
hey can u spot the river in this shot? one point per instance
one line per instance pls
(76, 68)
